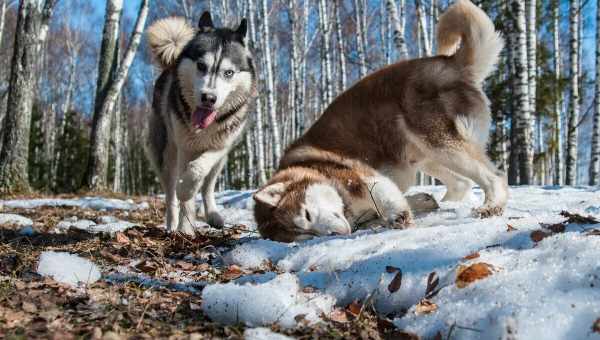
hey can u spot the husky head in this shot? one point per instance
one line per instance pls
(297, 210)
(215, 73)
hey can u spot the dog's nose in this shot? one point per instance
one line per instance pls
(208, 99)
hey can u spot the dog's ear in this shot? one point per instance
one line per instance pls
(242, 30)
(205, 23)
(271, 194)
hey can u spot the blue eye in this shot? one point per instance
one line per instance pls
(228, 73)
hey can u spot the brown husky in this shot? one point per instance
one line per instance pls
(426, 114)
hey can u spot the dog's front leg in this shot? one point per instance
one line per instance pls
(192, 174)
(208, 195)
(389, 202)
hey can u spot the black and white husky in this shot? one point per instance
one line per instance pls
(200, 105)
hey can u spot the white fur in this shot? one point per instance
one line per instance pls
(481, 44)
(326, 210)
(167, 38)
(475, 129)
(388, 199)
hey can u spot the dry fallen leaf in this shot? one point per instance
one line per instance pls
(122, 238)
(432, 282)
(596, 326)
(232, 273)
(391, 269)
(468, 274)
(354, 308)
(510, 228)
(396, 282)
(425, 307)
(338, 315)
(538, 235)
(555, 228)
(471, 256)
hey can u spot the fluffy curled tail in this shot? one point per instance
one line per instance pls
(481, 43)
(167, 38)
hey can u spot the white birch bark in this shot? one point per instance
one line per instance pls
(398, 19)
(422, 26)
(572, 128)
(558, 97)
(361, 40)
(33, 15)
(259, 125)
(98, 162)
(532, 77)
(270, 80)
(523, 110)
(594, 173)
(326, 73)
(2, 19)
(342, 76)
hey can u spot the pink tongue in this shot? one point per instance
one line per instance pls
(202, 117)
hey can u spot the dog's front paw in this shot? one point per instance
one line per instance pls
(215, 220)
(401, 220)
(488, 211)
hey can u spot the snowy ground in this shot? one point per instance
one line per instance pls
(525, 272)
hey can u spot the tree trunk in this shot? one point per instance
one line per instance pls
(259, 125)
(33, 15)
(342, 79)
(2, 20)
(422, 26)
(595, 152)
(558, 97)
(571, 164)
(522, 112)
(325, 25)
(361, 40)
(97, 173)
(270, 80)
(532, 76)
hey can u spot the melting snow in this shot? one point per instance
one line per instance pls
(95, 203)
(68, 268)
(13, 219)
(540, 290)
(108, 224)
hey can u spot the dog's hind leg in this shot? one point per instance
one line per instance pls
(457, 187)
(469, 160)
(208, 195)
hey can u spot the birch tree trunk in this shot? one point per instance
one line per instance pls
(33, 15)
(398, 19)
(361, 40)
(325, 25)
(422, 26)
(558, 97)
(259, 125)
(572, 129)
(532, 78)
(99, 147)
(342, 79)
(270, 80)
(523, 112)
(2, 19)
(595, 151)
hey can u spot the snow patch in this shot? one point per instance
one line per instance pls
(68, 268)
(255, 254)
(109, 225)
(262, 333)
(279, 301)
(14, 219)
(94, 203)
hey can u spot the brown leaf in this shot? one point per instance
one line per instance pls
(593, 232)
(309, 289)
(578, 219)
(391, 269)
(232, 272)
(122, 238)
(538, 235)
(338, 315)
(466, 275)
(596, 326)
(146, 266)
(510, 228)
(354, 308)
(425, 307)
(396, 282)
(471, 256)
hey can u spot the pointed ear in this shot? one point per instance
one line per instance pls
(242, 30)
(205, 22)
(271, 194)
